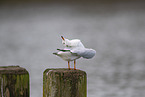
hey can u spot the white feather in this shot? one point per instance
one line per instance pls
(74, 49)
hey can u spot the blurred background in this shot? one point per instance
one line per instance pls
(30, 32)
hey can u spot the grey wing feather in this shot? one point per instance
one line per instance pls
(84, 52)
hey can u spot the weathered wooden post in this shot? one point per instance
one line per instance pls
(14, 82)
(64, 83)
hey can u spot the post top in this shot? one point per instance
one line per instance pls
(12, 70)
(63, 70)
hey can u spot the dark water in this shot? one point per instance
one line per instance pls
(30, 33)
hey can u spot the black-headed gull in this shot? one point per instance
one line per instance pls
(74, 49)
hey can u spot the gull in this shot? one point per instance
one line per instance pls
(74, 49)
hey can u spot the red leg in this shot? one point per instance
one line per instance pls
(68, 65)
(74, 64)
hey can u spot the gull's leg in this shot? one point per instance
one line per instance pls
(74, 64)
(68, 65)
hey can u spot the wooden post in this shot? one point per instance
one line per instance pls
(14, 82)
(64, 83)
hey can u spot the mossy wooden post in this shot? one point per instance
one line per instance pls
(14, 82)
(64, 83)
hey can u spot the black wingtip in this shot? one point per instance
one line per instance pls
(55, 53)
(58, 49)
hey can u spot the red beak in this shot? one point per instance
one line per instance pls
(62, 38)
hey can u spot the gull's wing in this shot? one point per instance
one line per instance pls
(61, 51)
(84, 52)
(67, 50)
(64, 51)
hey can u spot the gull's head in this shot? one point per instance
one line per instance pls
(65, 42)
(71, 43)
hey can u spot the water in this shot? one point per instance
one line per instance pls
(30, 33)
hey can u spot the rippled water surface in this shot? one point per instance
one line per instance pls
(30, 33)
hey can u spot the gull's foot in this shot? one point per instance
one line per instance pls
(71, 69)
(76, 69)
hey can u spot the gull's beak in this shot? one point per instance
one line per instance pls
(62, 38)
